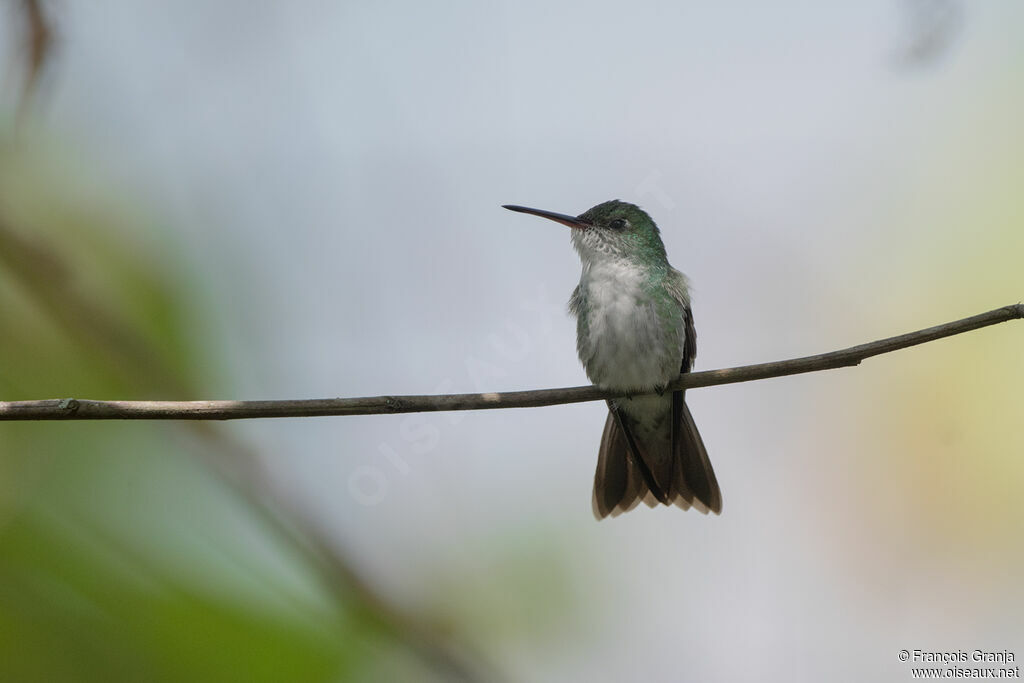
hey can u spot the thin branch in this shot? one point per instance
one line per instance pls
(39, 41)
(82, 409)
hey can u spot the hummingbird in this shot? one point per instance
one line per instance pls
(635, 335)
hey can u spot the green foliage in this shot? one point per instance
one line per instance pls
(74, 607)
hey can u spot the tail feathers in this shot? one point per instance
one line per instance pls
(693, 467)
(618, 483)
(626, 475)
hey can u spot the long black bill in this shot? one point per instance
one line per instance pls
(564, 219)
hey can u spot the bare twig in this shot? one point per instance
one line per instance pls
(38, 47)
(82, 409)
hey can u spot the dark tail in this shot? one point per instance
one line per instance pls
(626, 475)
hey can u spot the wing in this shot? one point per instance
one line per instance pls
(679, 287)
(695, 481)
(690, 342)
(574, 302)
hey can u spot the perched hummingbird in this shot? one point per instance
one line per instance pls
(635, 334)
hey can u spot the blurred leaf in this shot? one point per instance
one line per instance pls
(121, 557)
(75, 609)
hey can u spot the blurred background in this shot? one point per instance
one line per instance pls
(301, 200)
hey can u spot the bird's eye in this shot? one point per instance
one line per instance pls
(618, 224)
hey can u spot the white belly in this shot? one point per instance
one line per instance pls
(625, 340)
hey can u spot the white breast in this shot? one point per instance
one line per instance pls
(621, 340)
